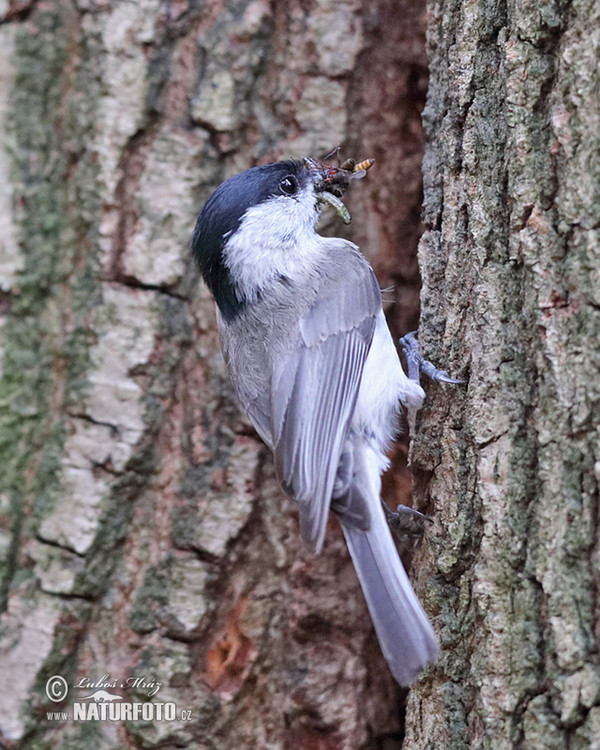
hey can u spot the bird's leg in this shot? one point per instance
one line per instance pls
(408, 524)
(417, 363)
(344, 475)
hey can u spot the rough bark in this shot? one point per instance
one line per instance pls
(509, 464)
(142, 532)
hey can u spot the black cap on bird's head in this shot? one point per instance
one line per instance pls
(222, 214)
(224, 211)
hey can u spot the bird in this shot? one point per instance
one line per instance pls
(314, 365)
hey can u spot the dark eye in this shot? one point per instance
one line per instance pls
(289, 185)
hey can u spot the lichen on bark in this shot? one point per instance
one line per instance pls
(512, 229)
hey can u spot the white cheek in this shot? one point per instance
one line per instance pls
(276, 238)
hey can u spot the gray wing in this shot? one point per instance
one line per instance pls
(314, 388)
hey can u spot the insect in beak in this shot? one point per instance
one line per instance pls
(332, 182)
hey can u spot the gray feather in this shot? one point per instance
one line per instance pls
(348, 495)
(308, 440)
(405, 635)
(407, 640)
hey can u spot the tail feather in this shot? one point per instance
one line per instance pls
(405, 635)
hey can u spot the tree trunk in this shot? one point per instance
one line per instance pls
(509, 465)
(147, 550)
(145, 543)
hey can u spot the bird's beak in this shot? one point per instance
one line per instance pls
(327, 178)
(330, 184)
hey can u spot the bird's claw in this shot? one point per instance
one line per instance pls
(417, 363)
(408, 524)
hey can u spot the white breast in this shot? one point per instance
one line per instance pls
(384, 386)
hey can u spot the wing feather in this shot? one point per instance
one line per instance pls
(313, 393)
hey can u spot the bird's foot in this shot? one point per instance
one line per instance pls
(408, 524)
(417, 363)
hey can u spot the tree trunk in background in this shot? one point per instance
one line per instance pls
(142, 532)
(510, 464)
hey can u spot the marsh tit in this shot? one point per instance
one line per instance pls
(313, 363)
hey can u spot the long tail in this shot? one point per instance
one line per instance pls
(405, 635)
